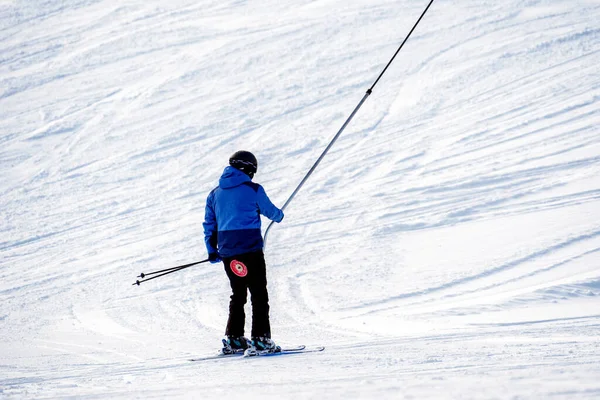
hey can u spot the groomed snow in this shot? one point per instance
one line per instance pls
(447, 247)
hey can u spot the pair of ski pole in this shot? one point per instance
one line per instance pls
(163, 272)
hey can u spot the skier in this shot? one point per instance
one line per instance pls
(232, 234)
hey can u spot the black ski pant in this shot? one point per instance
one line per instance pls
(254, 280)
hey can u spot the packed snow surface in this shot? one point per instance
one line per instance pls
(447, 247)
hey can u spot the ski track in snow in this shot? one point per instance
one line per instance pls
(447, 247)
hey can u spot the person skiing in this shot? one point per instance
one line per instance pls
(232, 234)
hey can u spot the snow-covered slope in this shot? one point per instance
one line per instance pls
(447, 247)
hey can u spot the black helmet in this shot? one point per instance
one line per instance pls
(244, 161)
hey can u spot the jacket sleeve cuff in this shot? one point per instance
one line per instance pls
(210, 249)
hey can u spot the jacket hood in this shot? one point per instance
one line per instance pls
(232, 177)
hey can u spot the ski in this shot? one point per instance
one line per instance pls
(287, 350)
(298, 350)
(217, 356)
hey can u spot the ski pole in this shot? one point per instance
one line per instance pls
(142, 275)
(165, 272)
(157, 276)
(369, 91)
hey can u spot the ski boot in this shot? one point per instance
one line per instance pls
(261, 345)
(235, 344)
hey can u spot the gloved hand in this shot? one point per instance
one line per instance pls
(214, 258)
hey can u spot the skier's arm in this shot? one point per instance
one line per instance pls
(210, 226)
(267, 208)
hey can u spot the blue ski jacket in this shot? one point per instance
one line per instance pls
(232, 215)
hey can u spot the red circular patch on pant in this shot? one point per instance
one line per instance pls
(238, 268)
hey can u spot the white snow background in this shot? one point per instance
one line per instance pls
(447, 247)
